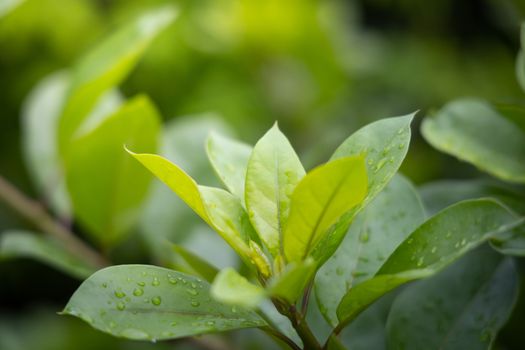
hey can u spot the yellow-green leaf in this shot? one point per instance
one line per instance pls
(319, 201)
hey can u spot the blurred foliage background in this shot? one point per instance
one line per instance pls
(320, 68)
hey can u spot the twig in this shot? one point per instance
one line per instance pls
(35, 213)
(306, 298)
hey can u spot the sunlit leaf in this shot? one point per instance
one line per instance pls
(273, 172)
(292, 282)
(319, 201)
(152, 303)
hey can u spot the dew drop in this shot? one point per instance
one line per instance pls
(401, 145)
(156, 301)
(142, 284)
(434, 249)
(364, 237)
(112, 324)
(420, 262)
(463, 241)
(172, 280)
(138, 292)
(104, 285)
(410, 241)
(155, 282)
(133, 333)
(210, 323)
(173, 324)
(121, 306)
(234, 309)
(192, 292)
(195, 303)
(120, 294)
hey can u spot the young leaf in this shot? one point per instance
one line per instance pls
(22, 244)
(436, 243)
(216, 207)
(105, 185)
(106, 66)
(166, 217)
(481, 290)
(273, 172)
(197, 264)
(152, 303)
(231, 288)
(319, 201)
(385, 143)
(229, 158)
(473, 131)
(292, 282)
(373, 236)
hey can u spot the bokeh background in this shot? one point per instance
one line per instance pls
(320, 68)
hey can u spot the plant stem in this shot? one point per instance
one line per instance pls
(305, 333)
(306, 298)
(35, 213)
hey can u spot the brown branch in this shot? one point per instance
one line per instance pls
(35, 213)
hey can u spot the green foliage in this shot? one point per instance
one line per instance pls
(152, 303)
(352, 229)
(22, 244)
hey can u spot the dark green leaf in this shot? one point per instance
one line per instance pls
(463, 307)
(373, 236)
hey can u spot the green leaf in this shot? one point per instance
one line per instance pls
(229, 158)
(319, 201)
(221, 210)
(231, 288)
(438, 242)
(520, 61)
(196, 264)
(6, 6)
(373, 236)
(481, 290)
(166, 217)
(106, 66)
(22, 244)
(105, 185)
(39, 123)
(152, 303)
(385, 143)
(291, 283)
(274, 170)
(473, 131)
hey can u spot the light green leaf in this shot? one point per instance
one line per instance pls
(196, 264)
(375, 233)
(166, 217)
(481, 290)
(221, 210)
(473, 131)
(231, 288)
(385, 143)
(436, 243)
(291, 283)
(229, 158)
(22, 244)
(106, 66)
(152, 303)
(319, 201)
(7, 6)
(106, 186)
(39, 123)
(273, 172)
